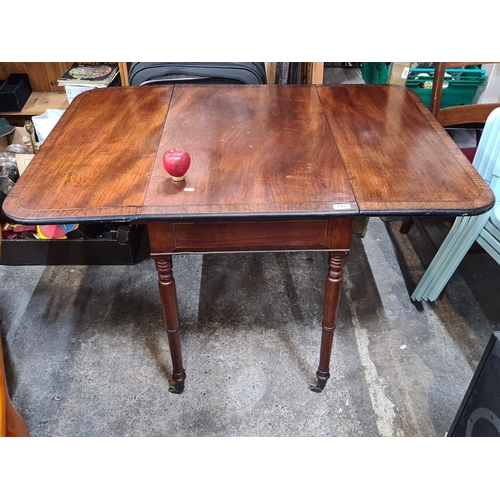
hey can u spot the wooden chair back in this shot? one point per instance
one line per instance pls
(456, 115)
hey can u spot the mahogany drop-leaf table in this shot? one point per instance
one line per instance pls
(273, 168)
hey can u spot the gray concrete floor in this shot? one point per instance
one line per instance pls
(86, 353)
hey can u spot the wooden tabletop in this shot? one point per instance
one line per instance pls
(258, 151)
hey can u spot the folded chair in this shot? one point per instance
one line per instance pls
(485, 228)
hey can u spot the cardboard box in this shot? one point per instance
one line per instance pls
(399, 73)
(15, 137)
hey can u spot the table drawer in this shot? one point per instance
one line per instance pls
(250, 236)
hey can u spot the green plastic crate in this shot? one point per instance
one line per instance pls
(460, 84)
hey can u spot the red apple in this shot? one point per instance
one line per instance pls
(176, 162)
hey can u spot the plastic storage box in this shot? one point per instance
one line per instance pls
(460, 85)
(93, 251)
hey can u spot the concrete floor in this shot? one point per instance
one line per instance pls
(86, 354)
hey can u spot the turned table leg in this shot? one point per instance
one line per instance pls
(168, 295)
(333, 290)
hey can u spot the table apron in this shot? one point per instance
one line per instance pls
(249, 236)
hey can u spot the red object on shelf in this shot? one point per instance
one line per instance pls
(176, 162)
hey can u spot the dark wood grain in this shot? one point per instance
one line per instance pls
(473, 116)
(397, 157)
(255, 150)
(333, 290)
(168, 295)
(249, 236)
(96, 162)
